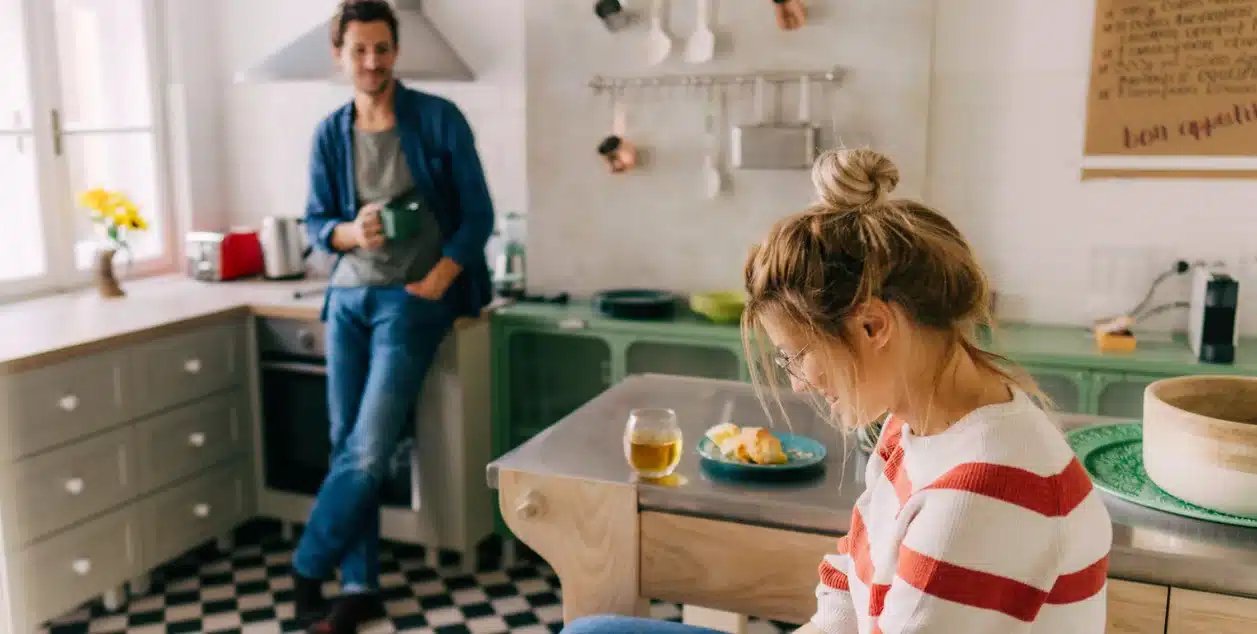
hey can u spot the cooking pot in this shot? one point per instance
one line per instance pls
(284, 248)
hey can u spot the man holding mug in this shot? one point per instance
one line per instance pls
(397, 192)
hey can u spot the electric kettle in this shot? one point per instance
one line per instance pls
(284, 248)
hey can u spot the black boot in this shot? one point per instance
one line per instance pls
(308, 598)
(348, 613)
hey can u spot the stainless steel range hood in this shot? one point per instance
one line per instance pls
(423, 54)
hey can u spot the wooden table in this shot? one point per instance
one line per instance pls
(753, 549)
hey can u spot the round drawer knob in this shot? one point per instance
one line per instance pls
(69, 402)
(197, 439)
(192, 366)
(201, 510)
(82, 566)
(74, 486)
(531, 506)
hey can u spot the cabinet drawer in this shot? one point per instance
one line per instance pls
(54, 490)
(49, 406)
(184, 367)
(184, 441)
(62, 572)
(190, 513)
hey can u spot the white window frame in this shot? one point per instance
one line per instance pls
(53, 188)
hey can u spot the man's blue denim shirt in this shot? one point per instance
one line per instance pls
(440, 151)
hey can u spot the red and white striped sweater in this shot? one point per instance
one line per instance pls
(991, 526)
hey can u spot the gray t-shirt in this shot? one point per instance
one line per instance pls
(381, 175)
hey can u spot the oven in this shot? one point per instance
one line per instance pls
(295, 428)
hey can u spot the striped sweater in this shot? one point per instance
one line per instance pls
(991, 526)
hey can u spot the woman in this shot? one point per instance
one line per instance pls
(977, 517)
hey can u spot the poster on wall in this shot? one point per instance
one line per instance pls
(1173, 90)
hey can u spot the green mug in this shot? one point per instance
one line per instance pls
(400, 216)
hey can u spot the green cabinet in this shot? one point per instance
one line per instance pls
(1068, 388)
(555, 374)
(1115, 394)
(1121, 394)
(549, 360)
(660, 356)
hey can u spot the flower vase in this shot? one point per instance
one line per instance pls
(106, 281)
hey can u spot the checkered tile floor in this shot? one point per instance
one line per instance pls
(249, 591)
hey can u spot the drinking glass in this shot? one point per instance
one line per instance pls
(652, 442)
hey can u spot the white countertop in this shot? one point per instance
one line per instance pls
(63, 323)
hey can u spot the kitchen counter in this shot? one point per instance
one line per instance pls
(1148, 546)
(40, 331)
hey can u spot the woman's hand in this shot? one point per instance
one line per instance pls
(437, 281)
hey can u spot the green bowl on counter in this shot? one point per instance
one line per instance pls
(722, 307)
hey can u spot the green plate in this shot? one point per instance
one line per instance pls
(1113, 457)
(804, 457)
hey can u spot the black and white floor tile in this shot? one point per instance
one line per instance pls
(249, 591)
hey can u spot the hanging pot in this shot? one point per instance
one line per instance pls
(619, 153)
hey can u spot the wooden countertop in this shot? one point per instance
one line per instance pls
(41, 331)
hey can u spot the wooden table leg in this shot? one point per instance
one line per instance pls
(587, 531)
(718, 620)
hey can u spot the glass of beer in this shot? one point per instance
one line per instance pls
(652, 442)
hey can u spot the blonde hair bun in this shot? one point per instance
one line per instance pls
(851, 179)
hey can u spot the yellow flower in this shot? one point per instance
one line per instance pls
(114, 208)
(94, 199)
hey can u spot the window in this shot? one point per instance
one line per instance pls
(80, 107)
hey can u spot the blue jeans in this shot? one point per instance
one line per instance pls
(613, 624)
(380, 343)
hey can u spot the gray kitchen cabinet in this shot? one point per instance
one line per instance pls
(48, 406)
(116, 460)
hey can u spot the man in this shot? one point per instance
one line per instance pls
(391, 300)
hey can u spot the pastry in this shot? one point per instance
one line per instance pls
(722, 432)
(762, 446)
(747, 444)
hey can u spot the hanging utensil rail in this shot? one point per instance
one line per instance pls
(600, 84)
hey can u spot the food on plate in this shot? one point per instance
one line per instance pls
(722, 432)
(752, 445)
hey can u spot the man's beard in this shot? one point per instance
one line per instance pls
(374, 84)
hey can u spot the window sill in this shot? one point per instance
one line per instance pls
(84, 281)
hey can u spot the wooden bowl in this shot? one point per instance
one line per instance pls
(1200, 440)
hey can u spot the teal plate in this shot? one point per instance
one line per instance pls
(1113, 457)
(804, 458)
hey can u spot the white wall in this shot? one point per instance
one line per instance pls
(1006, 138)
(195, 99)
(268, 127)
(589, 229)
(1005, 113)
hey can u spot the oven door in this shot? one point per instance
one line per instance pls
(297, 448)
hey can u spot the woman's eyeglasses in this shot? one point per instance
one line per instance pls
(789, 362)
